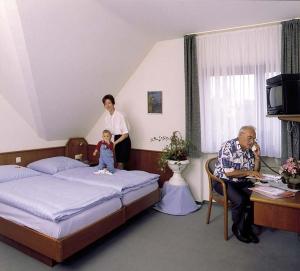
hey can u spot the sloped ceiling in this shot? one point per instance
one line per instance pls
(78, 51)
(74, 52)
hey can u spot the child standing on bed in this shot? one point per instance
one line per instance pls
(106, 159)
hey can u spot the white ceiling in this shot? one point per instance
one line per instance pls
(79, 50)
(168, 19)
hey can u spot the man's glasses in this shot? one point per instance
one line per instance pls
(251, 139)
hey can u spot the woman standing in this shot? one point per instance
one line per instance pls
(116, 124)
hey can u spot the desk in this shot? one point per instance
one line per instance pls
(283, 214)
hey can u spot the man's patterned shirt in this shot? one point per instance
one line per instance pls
(231, 157)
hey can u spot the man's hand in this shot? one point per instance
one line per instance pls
(95, 152)
(256, 150)
(254, 174)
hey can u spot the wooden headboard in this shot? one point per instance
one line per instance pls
(75, 146)
(29, 156)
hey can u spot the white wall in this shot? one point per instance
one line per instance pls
(162, 69)
(16, 134)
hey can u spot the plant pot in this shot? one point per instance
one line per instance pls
(177, 167)
(294, 183)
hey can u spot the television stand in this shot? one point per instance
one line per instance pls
(286, 117)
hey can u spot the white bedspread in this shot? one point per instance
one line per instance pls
(122, 180)
(52, 198)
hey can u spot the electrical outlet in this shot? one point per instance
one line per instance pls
(78, 156)
(18, 159)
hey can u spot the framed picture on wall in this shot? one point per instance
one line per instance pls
(154, 102)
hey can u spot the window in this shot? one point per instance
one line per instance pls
(233, 68)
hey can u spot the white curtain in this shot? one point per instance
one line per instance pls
(233, 68)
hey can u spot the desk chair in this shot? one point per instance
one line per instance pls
(213, 195)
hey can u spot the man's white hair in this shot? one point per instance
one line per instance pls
(245, 128)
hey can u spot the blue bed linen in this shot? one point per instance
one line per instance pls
(122, 180)
(51, 198)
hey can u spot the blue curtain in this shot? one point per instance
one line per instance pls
(192, 100)
(290, 63)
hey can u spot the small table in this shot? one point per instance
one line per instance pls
(283, 214)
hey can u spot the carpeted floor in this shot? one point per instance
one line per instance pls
(155, 241)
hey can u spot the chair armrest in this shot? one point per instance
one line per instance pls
(224, 187)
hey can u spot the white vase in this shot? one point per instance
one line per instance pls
(177, 167)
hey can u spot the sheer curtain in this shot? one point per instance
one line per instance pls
(233, 68)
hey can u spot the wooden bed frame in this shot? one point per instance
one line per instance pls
(50, 250)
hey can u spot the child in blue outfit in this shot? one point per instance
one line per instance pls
(106, 159)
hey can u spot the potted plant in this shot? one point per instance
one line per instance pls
(290, 171)
(175, 155)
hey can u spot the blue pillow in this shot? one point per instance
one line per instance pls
(14, 172)
(55, 164)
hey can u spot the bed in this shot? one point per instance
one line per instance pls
(139, 189)
(50, 242)
(45, 216)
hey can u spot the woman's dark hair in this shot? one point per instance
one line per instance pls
(108, 97)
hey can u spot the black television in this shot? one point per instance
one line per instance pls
(283, 94)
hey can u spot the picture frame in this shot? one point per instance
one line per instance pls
(154, 100)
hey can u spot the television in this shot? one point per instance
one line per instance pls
(283, 94)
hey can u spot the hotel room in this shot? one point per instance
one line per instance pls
(196, 68)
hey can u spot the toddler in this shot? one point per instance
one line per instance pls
(106, 159)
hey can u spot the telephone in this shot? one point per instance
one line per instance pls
(253, 148)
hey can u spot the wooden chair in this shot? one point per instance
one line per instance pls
(213, 195)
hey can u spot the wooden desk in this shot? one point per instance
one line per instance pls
(283, 214)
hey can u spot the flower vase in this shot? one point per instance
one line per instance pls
(294, 182)
(177, 167)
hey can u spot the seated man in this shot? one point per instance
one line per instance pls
(239, 158)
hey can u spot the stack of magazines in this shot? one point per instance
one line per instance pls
(272, 192)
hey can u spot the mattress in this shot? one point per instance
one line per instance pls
(136, 194)
(62, 228)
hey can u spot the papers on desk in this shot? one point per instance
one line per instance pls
(273, 180)
(281, 185)
(272, 192)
